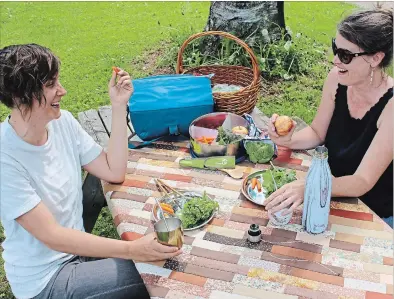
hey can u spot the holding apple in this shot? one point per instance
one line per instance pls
(283, 125)
(281, 130)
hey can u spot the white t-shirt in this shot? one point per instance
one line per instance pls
(50, 173)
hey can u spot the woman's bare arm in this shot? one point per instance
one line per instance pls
(40, 223)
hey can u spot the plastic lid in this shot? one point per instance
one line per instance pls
(254, 227)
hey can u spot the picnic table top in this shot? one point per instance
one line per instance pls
(352, 259)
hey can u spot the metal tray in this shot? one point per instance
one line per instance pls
(187, 195)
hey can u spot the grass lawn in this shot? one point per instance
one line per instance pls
(90, 37)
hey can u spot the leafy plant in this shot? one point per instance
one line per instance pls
(259, 152)
(225, 137)
(197, 210)
(281, 177)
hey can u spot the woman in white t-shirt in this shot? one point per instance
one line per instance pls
(47, 253)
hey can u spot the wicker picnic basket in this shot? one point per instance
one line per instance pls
(238, 102)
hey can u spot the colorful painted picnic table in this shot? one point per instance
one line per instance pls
(352, 259)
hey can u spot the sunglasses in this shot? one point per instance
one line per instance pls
(345, 56)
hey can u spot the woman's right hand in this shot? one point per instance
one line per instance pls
(280, 140)
(147, 249)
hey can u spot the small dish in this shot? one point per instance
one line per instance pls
(187, 195)
(252, 194)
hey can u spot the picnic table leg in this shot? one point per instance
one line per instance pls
(93, 201)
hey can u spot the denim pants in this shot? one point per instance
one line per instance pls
(86, 278)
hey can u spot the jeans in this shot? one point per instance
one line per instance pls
(87, 278)
(389, 221)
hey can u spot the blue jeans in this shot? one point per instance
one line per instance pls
(389, 221)
(83, 278)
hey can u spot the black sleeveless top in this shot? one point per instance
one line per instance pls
(347, 141)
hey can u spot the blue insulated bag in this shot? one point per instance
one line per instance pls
(166, 105)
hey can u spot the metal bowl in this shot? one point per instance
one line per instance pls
(246, 189)
(187, 195)
(213, 121)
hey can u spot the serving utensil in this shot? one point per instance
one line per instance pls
(162, 189)
(162, 212)
(236, 173)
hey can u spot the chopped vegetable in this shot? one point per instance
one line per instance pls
(281, 176)
(205, 139)
(225, 137)
(197, 210)
(259, 152)
(167, 208)
(258, 186)
(254, 183)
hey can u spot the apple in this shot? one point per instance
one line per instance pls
(283, 125)
(240, 130)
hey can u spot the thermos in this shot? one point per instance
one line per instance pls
(254, 233)
(317, 194)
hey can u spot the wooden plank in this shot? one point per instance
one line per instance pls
(93, 201)
(92, 124)
(105, 113)
(130, 129)
(262, 121)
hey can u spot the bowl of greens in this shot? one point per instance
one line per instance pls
(258, 186)
(194, 209)
(218, 134)
(260, 150)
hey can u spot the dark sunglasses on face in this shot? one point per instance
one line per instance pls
(345, 56)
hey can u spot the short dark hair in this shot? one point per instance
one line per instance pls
(24, 69)
(371, 30)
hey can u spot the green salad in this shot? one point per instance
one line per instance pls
(281, 176)
(197, 210)
(225, 137)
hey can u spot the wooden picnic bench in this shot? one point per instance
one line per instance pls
(97, 123)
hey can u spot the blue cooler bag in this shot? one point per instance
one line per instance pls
(166, 105)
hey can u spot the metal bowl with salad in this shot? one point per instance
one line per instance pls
(194, 209)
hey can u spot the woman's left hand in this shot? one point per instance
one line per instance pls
(120, 92)
(291, 194)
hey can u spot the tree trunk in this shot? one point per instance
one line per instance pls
(254, 22)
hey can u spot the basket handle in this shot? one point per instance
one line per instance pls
(256, 72)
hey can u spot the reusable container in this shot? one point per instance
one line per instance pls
(171, 237)
(317, 194)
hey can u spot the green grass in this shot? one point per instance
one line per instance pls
(91, 37)
(301, 97)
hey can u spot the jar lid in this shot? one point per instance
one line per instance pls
(254, 227)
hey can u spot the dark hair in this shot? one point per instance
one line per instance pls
(372, 31)
(24, 69)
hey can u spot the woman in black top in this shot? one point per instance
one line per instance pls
(355, 118)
